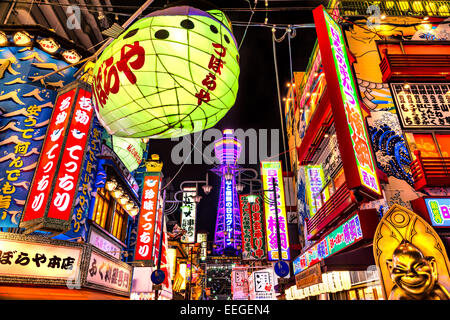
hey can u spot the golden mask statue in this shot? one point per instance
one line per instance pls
(415, 276)
(411, 258)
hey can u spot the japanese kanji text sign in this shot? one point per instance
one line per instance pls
(37, 261)
(50, 201)
(423, 105)
(272, 178)
(353, 140)
(108, 273)
(147, 218)
(343, 236)
(252, 221)
(188, 214)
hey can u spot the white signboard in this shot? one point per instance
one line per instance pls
(423, 105)
(28, 259)
(261, 285)
(239, 283)
(105, 273)
(104, 244)
(188, 215)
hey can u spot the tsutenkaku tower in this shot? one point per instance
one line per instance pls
(228, 221)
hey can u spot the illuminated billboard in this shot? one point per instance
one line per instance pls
(147, 218)
(273, 178)
(188, 214)
(52, 194)
(353, 139)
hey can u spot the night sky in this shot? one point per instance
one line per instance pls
(257, 99)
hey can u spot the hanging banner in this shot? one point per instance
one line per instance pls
(239, 283)
(147, 218)
(50, 201)
(272, 177)
(353, 139)
(188, 214)
(252, 215)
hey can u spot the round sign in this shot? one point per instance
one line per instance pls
(281, 268)
(171, 73)
(158, 276)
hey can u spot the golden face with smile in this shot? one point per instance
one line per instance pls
(415, 274)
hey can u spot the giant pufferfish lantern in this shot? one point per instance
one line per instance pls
(171, 73)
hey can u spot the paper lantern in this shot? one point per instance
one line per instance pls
(129, 151)
(171, 73)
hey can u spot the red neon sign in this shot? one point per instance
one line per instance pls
(147, 218)
(72, 158)
(46, 170)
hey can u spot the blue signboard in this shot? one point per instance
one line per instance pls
(439, 211)
(86, 186)
(158, 276)
(281, 268)
(25, 110)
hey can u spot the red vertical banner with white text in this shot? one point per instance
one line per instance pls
(352, 135)
(42, 182)
(69, 170)
(147, 218)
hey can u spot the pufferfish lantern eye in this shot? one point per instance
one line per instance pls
(162, 34)
(130, 33)
(187, 24)
(213, 29)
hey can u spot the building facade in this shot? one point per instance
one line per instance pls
(367, 128)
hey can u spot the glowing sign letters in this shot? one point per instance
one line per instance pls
(272, 178)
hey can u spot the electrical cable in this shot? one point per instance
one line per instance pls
(249, 21)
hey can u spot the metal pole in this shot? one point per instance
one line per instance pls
(158, 266)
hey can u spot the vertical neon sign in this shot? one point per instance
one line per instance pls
(359, 166)
(315, 180)
(271, 171)
(229, 211)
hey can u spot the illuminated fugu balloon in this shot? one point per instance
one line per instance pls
(171, 73)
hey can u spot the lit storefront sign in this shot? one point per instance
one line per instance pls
(51, 199)
(107, 274)
(308, 277)
(202, 238)
(354, 145)
(343, 236)
(37, 260)
(423, 105)
(261, 285)
(439, 211)
(107, 246)
(147, 218)
(315, 181)
(188, 214)
(239, 283)
(271, 172)
(252, 215)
